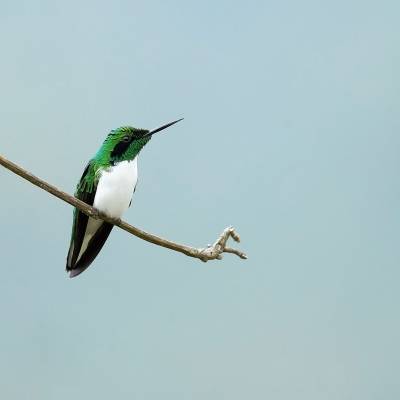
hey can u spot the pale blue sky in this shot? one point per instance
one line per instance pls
(291, 134)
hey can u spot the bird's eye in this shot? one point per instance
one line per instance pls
(126, 139)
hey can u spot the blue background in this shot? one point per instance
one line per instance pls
(291, 134)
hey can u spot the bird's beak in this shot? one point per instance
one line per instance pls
(162, 128)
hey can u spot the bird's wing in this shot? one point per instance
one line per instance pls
(80, 220)
(85, 246)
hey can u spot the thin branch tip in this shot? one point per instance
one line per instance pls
(215, 251)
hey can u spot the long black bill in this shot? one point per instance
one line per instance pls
(162, 127)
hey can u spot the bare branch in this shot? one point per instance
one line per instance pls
(212, 252)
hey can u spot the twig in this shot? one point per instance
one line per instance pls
(212, 252)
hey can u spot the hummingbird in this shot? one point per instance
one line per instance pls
(107, 183)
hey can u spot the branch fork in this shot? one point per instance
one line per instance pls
(215, 251)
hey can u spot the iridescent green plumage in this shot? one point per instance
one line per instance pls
(122, 144)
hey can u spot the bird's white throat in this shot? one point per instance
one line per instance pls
(115, 188)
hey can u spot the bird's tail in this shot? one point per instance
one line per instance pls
(92, 250)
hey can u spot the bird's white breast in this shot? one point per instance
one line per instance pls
(115, 188)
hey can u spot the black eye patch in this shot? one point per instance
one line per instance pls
(121, 147)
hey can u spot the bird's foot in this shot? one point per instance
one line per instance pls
(95, 213)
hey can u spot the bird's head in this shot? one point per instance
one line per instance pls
(125, 143)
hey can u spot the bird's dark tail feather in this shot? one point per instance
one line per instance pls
(75, 272)
(92, 250)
